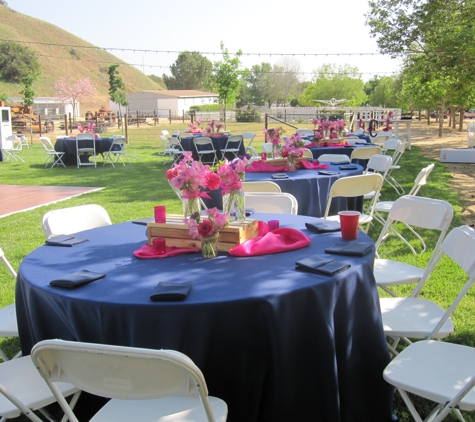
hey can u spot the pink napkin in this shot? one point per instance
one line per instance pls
(147, 252)
(262, 166)
(311, 144)
(314, 165)
(279, 240)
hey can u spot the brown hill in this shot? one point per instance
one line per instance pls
(51, 45)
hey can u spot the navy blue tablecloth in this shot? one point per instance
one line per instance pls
(219, 142)
(276, 344)
(68, 146)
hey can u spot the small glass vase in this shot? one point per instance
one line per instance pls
(209, 246)
(291, 164)
(275, 151)
(327, 134)
(191, 206)
(233, 204)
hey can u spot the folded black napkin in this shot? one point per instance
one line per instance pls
(350, 248)
(77, 279)
(328, 172)
(321, 265)
(280, 176)
(324, 226)
(144, 221)
(165, 291)
(349, 167)
(64, 240)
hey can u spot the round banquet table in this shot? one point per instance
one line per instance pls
(346, 150)
(219, 142)
(275, 343)
(68, 146)
(310, 188)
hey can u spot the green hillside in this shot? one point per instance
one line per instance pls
(57, 61)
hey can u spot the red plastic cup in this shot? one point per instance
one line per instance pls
(159, 245)
(349, 224)
(263, 156)
(273, 224)
(160, 213)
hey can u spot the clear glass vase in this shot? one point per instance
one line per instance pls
(191, 207)
(291, 163)
(233, 204)
(209, 246)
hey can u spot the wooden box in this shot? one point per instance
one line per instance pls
(276, 162)
(177, 233)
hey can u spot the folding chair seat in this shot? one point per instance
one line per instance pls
(143, 384)
(334, 158)
(86, 147)
(271, 202)
(204, 146)
(74, 219)
(354, 186)
(53, 157)
(8, 322)
(116, 151)
(23, 391)
(175, 150)
(232, 148)
(11, 149)
(417, 318)
(413, 211)
(261, 186)
(364, 153)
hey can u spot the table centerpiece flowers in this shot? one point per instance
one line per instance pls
(88, 129)
(274, 136)
(195, 128)
(191, 177)
(208, 230)
(214, 129)
(292, 150)
(231, 176)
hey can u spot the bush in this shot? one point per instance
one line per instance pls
(248, 116)
(206, 107)
(25, 62)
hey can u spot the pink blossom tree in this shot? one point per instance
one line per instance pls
(70, 92)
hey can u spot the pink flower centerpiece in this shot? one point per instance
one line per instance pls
(214, 129)
(274, 137)
(208, 231)
(231, 176)
(195, 128)
(293, 149)
(190, 177)
(388, 120)
(88, 129)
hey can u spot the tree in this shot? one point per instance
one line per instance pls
(381, 91)
(157, 79)
(17, 62)
(116, 87)
(226, 78)
(190, 71)
(332, 81)
(29, 95)
(256, 85)
(70, 92)
(284, 81)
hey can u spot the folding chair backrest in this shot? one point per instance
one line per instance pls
(203, 141)
(261, 186)
(248, 135)
(7, 264)
(47, 144)
(391, 145)
(399, 152)
(82, 136)
(334, 158)
(234, 141)
(364, 153)
(266, 147)
(305, 132)
(360, 185)
(307, 153)
(380, 163)
(74, 219)
(421, 179)
(271, 202)
(174, 142)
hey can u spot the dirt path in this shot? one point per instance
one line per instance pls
(426, 137)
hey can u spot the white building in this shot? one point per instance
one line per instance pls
(49, 106)
(165, 101)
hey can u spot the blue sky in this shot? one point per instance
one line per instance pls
(265, 31)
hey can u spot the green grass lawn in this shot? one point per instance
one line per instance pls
(132, 191)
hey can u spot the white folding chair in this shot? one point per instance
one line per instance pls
(143, 384)
(383, 207)
(378, 163)
(395, 166)
(162, 150)
(53, 157)
(364, 153)
(271, 202)
(306, 153)
(417, 318)
(334, 158)
(165, 133)
(267, 147)
(8, 322)
(353, 186)
(441, 372)
(23, 391)
(87, 149)
(11, 149)
(261, 186)
(248, 136)
(23, 141)
(381, 137)
(204, 146)
(413, 211)
(390, 146)
(74, 219)
(175, 150)
(176, 134)
(232, 147)
(116, 151)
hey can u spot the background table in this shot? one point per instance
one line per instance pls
(219, 143)
(309, 188)
(318, 151)
(68, 146)
(276, 344)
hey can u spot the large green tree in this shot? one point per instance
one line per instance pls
(284, 81)
(381, 91)
(17, 62)
(190, 71)
(29, 94)
(116, 87)
(256, 85)
(226, 78)
(342, 82)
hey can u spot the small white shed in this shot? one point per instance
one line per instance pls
(178, 101)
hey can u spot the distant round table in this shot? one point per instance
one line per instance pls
(68, 146)
(219, 143)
